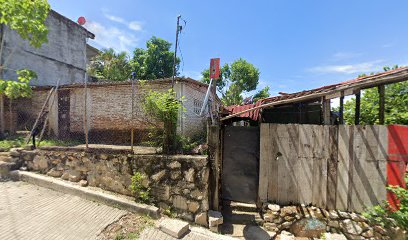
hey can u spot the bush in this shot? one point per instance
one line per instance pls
(142, 194)
(385, 215)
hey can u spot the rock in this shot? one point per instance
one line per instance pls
(146, 183)
(333, 236)
(269, 217)
(256, 232)
(28, 147)
(174, 165)
(40, 163)
(15, 152)
(201, 219)
(54, 173)
(398, 233)
(189, 175)
(74, 176)
(344, 214)
(284, 235)
(214, 229)
(351, 227)
(380, 230)
(273, 227)
(333, 224)
(215, 218)
(163, 206)
(158, 176)
(174, 175)
(204, 205)
(333, 215)
(205, 173)
(308, 227)
(23, 169)
(187, 216)
(274, 207)
(285, 211)
(193, 206)
(83, 183)
(197, 195)
(357, 218)
(285, 225)
(65, 175)
(368, 234)
(174, 227)
(180, 202)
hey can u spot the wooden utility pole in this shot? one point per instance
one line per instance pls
(381, 112)
(357, 108)
(341, 110)
(175, 50)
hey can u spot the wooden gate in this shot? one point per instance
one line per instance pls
(63, 114)
(240, 166)
(334, 167)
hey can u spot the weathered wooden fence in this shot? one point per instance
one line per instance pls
(334, 167)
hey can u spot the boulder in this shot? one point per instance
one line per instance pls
(351, 227)
(83, 183)
(189, 175)
(158, 176)
(215, 218)
(291, 210)
(193, 206)
(174, 165)
(201, 219)
(54, 173)
(308, 227)
(180, 202)
(274, 207)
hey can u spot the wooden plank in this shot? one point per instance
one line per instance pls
(320, 165)
(305, 163)
(359, 185)
(332, 167)
(326, 111)
(264, 161)
(273, 164)
(381, 96)
(357, 108)
(343, 166)
(341, 110)
(283, 163)
(292, 163)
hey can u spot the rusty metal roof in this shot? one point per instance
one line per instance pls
(252, 110)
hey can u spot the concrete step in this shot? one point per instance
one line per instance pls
(240, 217)
(245, 207)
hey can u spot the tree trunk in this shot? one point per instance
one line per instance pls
(11, 132)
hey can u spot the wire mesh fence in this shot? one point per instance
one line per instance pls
(101, 113)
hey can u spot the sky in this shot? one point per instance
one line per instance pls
(297, 45)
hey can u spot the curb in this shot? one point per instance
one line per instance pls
(85, 192)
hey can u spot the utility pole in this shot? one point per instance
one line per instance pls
(175, 50)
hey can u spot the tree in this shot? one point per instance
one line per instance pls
(263, 93)
(27, 18)
(237, 78)
(396, 105)
(110, 65)
(154, 62)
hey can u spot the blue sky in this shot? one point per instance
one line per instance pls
(296, 45)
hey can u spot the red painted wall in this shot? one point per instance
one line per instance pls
(397, 159)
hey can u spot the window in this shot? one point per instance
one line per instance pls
(197, 106)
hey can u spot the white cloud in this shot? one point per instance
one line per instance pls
(133, 25)
(112, 37)
(349, 68)
(115, 18)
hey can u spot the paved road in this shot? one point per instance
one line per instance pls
(31, 212)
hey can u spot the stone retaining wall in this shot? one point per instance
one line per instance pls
(312, 222)
(179, 183)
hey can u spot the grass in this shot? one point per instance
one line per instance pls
(19, 141)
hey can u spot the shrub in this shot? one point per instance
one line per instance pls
(385, 215)
(142, 194)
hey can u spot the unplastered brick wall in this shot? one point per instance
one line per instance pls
(178, 183)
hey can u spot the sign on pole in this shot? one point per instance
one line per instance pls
(215, 68)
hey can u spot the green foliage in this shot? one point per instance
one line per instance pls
(19, 141)
(110, 65)
(187, 144)
(385, 215)
(164, 107)
(263, 93)
(396, 105)
(156, 61)
(237, 78)
(19, 88)
(142, 193)
(27, 18)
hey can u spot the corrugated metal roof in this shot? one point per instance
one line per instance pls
(254, 115)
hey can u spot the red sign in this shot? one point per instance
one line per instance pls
(81, 20)
(215, 68)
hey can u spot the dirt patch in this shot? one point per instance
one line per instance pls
(127, 227)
